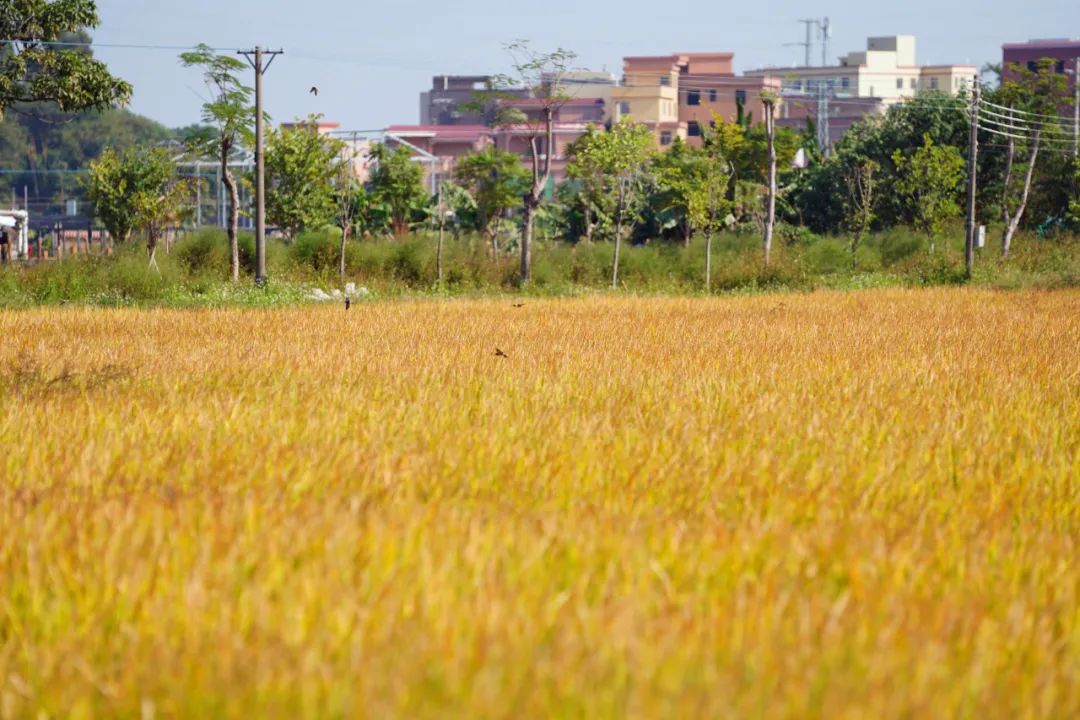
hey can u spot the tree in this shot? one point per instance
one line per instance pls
(397, 181)
(859, 205)
(693, 186)
(542, 74)
(1031, 97)
(138, 189)
(617, 160)
(231, 119)
(496, 180)
(301, 166)
(588, 173)
(928, 180)
(451, 201)
(768, 99)
(628, 147)
(34, 69)
(679, 180)
(346, 202)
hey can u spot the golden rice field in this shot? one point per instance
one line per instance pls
(859, 505)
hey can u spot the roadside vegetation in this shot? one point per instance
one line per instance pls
(196, 270)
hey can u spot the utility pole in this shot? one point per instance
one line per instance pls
(972, 169)
(823, 117)
(826, 33)
(255, 58)
(808, 44)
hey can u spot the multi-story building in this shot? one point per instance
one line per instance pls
(438, 147)
(460, 100)
(581, 85)
(677, 95)
(1028, 54)
(886, 69)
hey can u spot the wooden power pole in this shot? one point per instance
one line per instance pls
(972, 169)
(257, 58)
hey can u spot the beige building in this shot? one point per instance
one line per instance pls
(886, 69)
(678, 95)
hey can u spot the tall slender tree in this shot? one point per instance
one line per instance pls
(542, 74)
(230, 116)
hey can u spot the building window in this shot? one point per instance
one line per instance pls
(712, 96)
(665, 137)
(914, 83)
(665, 80)
(740, 97)
(933, 84)
(899, 83)
(693, 97)
(1060, 67)
(845, 83)
(693, 129)
(624, 108)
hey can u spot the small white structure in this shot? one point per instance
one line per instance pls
(19, 240)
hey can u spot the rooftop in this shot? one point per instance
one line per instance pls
(1043, 43)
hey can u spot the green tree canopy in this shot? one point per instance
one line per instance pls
(136, 189)
(929, 181)
(301, 166)
(35, 68)
(496, 180)
(397, 182)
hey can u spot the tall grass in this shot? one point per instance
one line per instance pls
(196, 271)
(813, 506)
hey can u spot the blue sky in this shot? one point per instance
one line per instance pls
(372, 59)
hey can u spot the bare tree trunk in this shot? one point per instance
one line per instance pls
(708, 262)
(151, 248)
(589, 225)
(341, 257)
(770, 217)
(234, 215)
(532, 200)
(688, 232)
(1012, 223)
(439, 249)
(618, 238)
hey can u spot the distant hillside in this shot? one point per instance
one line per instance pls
(46, 151)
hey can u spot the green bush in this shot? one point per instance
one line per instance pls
(899, 245)
(828, 256)
(205, 251)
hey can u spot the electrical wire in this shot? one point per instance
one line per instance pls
(1020, 112)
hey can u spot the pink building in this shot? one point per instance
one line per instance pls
(437, 147)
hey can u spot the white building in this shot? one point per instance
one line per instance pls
(886, 69)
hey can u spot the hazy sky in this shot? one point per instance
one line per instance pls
(370, 60)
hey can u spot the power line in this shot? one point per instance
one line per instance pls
(110, 46)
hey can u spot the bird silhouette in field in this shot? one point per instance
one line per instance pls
(314, 91)
(519, 305)
(348, 303)
(500, 353)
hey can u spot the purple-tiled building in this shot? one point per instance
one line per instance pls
(1027, 54)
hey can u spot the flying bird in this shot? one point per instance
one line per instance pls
(500, 353)
(314, 91)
